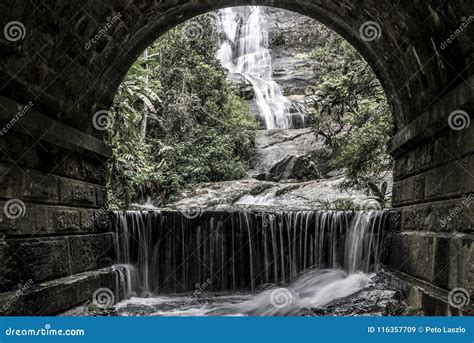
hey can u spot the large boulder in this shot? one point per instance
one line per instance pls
(300, 168)
(290, 154)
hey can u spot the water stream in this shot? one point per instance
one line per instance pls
(245, 51)
(244, 263)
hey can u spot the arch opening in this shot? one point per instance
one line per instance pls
(52, 157)
(235, 47)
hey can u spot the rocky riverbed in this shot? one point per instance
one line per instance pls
(292, 171)
(372, 297)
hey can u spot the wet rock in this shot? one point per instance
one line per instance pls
(378, 299)
(292, 37)
(242, 86)
(277, 146)
(312, 166)
(317, 194)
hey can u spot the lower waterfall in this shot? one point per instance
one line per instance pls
(177, 252)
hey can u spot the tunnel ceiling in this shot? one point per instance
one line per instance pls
(68, 57)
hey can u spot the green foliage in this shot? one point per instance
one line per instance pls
(277, 39)
(196, 128)
(351, 113)
(338, 205)
(380, 194)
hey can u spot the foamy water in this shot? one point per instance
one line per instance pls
(315, 288)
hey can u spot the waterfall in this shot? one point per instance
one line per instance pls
(245, 51)
(171, 251)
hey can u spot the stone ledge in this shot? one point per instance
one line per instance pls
(54, 297)
(50, 130)
(433, 120)
(423, 298)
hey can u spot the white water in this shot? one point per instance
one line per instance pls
(316, 288)
(264, 199)
(246, 52)
(317, 240)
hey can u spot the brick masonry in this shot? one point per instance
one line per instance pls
(53, 160)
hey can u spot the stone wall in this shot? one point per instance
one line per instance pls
(70, 69)
(431, 240)
(54, 224)
(68, 66)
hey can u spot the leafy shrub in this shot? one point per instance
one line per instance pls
(178, 121)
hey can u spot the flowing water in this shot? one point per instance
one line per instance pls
(243, 263)
(245, 51)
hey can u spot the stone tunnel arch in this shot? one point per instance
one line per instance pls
(54, 160)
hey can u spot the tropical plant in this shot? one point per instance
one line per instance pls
(380, 193)
(178, 121)
(351, 113)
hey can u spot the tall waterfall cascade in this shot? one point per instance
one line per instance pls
(172, 251)
(245, 51)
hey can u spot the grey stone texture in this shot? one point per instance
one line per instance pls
(56, 166)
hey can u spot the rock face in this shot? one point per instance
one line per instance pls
(292, 38)
(289, 154)
(291, 171)
(316, 194)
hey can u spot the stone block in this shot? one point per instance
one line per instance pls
(47, 219)
(64, 219)
(451, 215)
(36, 259)
(450, 180)
(90, 252)
(413, 254)
(73, 192)
(444, 260)
(57, 296)
(445, 147)
(50, 159)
